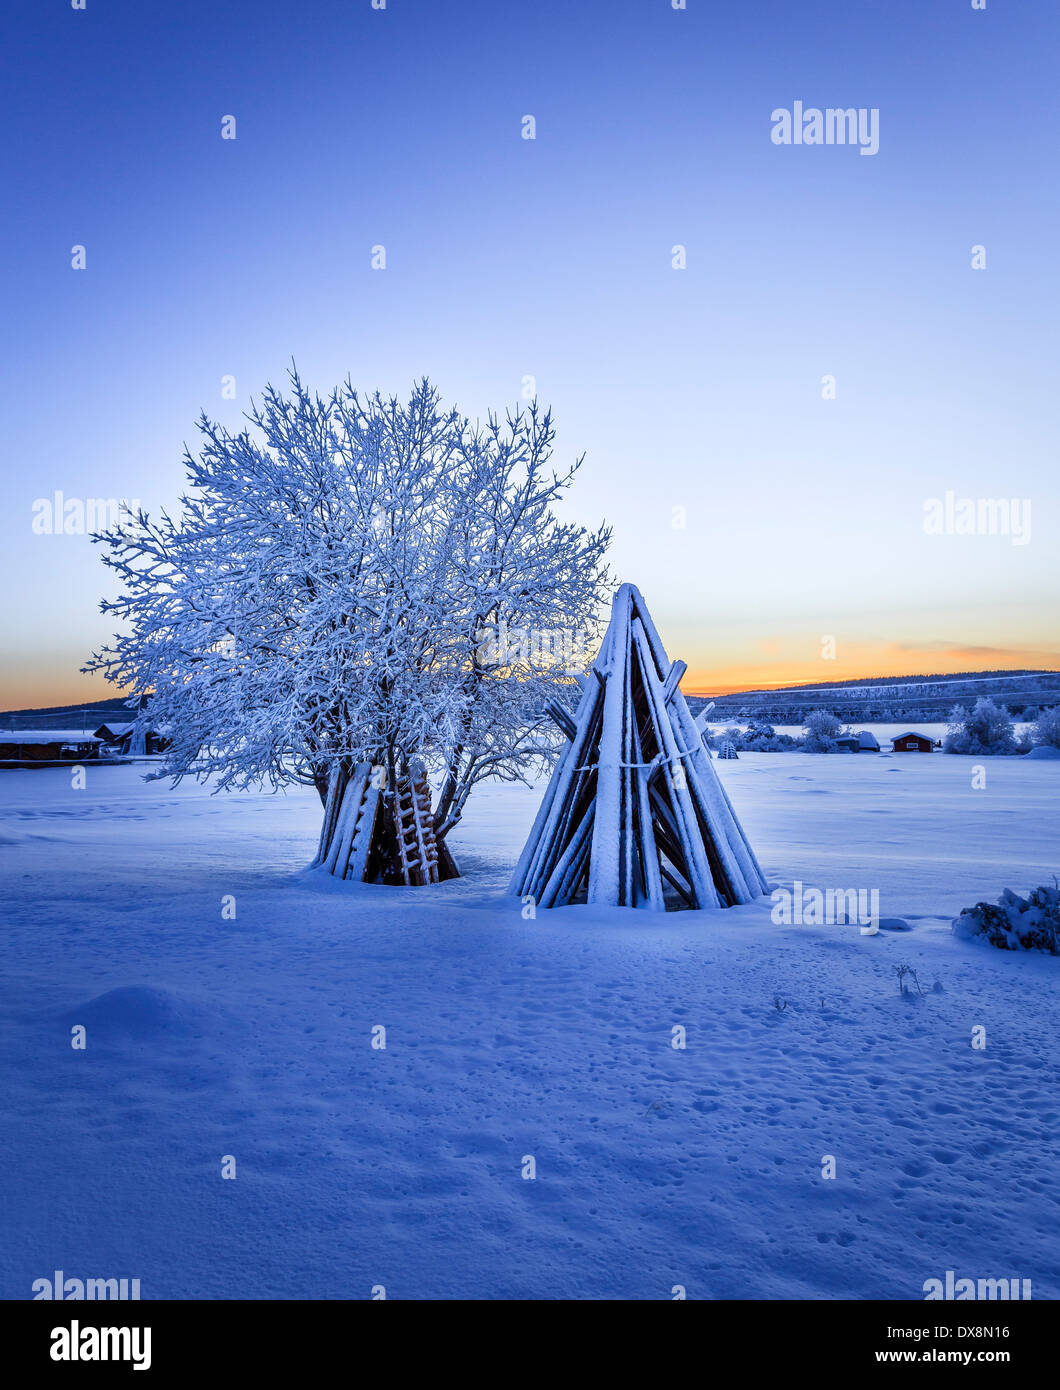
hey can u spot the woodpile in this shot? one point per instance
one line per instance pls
(635, 814)
(373, 834)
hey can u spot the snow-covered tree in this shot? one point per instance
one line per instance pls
(1045, 731)
(986, 730)
(356, 580)
(822, 730)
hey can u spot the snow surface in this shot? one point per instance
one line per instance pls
(506, 1037)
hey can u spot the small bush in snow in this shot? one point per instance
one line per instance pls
(1029, 924)
(987, 729)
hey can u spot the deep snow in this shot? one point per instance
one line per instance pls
(508, 1037)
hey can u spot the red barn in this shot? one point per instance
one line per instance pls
(913, 743)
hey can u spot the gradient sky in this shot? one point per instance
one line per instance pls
(697, 389)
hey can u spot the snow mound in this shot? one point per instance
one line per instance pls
(138, 1011)
(894, 924)
(1044, 751)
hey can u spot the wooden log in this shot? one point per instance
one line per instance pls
(702, 719)
(679, 884)
(649, 850)
(560, 716)
(557, 880)
(336, 781)
(364, 833)
(576, 874)
(347, 818)
(627, 848)
(605, 854)
(666, 832)
(673, 679)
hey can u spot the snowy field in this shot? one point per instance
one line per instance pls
(655, 1167)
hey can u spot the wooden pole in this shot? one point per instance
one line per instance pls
(605, 854)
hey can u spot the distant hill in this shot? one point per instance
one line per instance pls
(883, 699)
(889, 698)
(83, 717)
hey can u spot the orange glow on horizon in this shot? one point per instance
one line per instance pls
(775, 675)
(48, 683)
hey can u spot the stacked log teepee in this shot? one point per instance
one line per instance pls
(635, 814)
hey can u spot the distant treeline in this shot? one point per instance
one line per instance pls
(887, 700)
(996, 677)
(84, 716)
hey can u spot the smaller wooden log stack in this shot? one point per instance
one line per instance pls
(373, 835)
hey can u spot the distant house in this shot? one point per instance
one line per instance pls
(119, 739)
(867, 742)
(25, 747)
(913, 743)
(847, 743)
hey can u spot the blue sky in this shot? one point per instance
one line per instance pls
(507, 258)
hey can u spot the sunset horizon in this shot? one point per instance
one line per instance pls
(695, 683)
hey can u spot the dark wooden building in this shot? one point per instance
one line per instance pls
(43, 747)
(913, 743)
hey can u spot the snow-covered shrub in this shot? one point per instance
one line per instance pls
(1045, 731)
(1030, 924)
(758, 731)
(763, 738)
(822, 730)
(758, 737)
(986, 730)
(776, 744)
